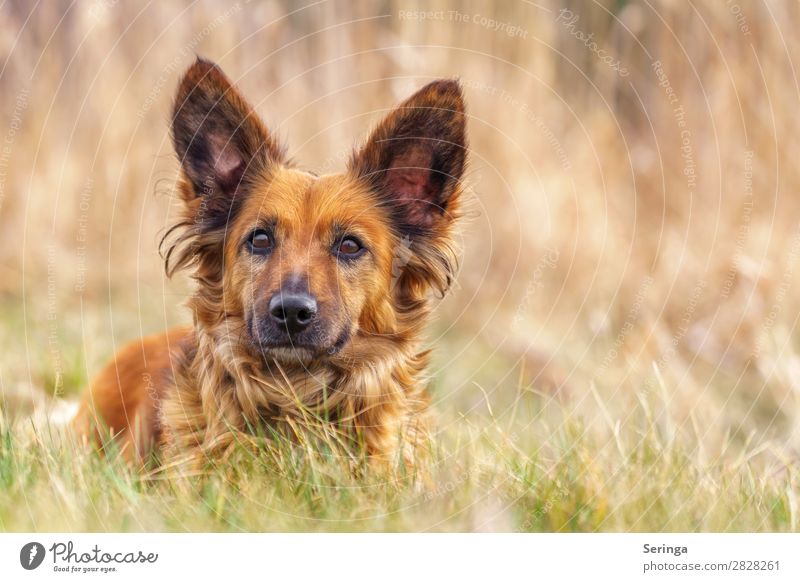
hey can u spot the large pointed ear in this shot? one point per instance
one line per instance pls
(414, 159)
(217, 136)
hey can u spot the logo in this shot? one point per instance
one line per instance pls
(31, 555)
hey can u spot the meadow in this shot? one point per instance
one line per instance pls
(620, 351)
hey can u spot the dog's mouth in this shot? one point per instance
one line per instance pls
(287, 349)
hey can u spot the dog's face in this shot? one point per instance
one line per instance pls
(306, 264)
(306, 257)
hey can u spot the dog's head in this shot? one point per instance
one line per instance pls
(303, 263)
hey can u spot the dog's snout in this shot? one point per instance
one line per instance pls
(293, 311)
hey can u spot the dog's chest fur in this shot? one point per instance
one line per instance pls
(222, 394)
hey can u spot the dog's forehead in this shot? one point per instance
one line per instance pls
(297, 197)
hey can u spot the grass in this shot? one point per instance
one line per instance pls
(548, 471)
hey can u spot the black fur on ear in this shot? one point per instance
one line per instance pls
(217, 135)
(220, 142)
(415, 158)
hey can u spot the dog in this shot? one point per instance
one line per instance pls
(311, 293)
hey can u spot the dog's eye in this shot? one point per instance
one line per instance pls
(349, 247)
(260, 242)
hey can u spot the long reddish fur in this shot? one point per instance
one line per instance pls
(190, 393)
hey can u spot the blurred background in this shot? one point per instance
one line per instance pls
(634, 228)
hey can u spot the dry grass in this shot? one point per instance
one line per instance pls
(620, 351)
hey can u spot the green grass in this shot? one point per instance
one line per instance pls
(562, 478)
(508, 457)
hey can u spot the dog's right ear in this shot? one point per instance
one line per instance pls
(218, 137)
(415, 157)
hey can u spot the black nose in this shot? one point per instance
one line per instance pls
(293, 311)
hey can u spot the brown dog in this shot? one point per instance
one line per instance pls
(311, 291)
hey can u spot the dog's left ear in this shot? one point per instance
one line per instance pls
(217, 136)
(415, 157)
